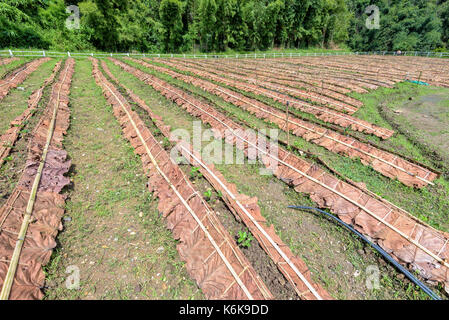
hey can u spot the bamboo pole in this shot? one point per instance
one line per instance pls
(286, 125)
(7, 284)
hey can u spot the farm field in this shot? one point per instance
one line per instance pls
(160, 178)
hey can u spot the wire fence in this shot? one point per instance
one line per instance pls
(43, 53)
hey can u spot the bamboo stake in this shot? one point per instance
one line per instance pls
(7, 284)
(286, 125)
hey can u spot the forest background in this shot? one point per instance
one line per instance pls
(176, 26)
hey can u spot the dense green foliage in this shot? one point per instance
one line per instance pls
(221, 25)
(404, 25)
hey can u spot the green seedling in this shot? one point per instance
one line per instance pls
(245, 239)
(208, 194)
(195, 173)
(166, 143)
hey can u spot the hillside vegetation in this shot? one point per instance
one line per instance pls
(222, 25)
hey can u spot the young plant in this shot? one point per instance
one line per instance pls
(208, 194)
(245, 239)
(166, 143)
(195, 173)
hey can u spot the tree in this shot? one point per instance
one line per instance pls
(170, 14)
(207, 29)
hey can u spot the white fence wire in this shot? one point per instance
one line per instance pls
(43, 53)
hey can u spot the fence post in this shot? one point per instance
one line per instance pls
(10, 53)
(68, 54)
(43, 53)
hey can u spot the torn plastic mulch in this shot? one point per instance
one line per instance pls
(49, 204)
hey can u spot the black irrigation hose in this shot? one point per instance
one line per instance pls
(407, 273)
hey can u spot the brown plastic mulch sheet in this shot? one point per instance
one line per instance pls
(49, 206)
(253, 208)
(322, 113)
(379, 160)
(432, 70)
(8, 139)
(203, 261)
(298, 93)
(394, 69)
(367, 74)
(261, 71)
(314, 93)
(397, 67)
(372, 82)
(5, 61)
(316, 79)
(250, 204)
(358, 82)
(283, 71)
(19, 75)
(329, 193)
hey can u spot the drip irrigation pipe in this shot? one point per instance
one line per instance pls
(407, 273)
